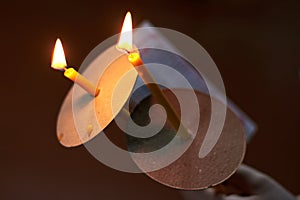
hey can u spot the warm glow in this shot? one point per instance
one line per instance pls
(134, 58)
(125, 40)
(71, 73)
(58, 57)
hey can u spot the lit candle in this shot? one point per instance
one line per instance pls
(59, 62)
(125, 44)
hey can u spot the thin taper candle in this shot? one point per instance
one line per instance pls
(135, 59)
(76, 77)
(125, 44)
(59, 63)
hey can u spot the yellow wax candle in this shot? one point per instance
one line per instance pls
(59, 63)
(73, 75)
(125, 44)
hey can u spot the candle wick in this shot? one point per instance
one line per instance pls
(127, 51)
(63, 69)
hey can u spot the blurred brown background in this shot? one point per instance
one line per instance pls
(254, 43)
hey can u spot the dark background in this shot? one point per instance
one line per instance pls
(254, 43)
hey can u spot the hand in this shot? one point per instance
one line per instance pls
(246, 184)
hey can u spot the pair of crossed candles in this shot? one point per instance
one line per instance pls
(190, 171)
(125, 45)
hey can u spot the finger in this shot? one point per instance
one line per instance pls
(248, 180)
(236, 197)
(253, 182)
(207, 194)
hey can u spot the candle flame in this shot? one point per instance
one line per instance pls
(125, 39)
(58, 59)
